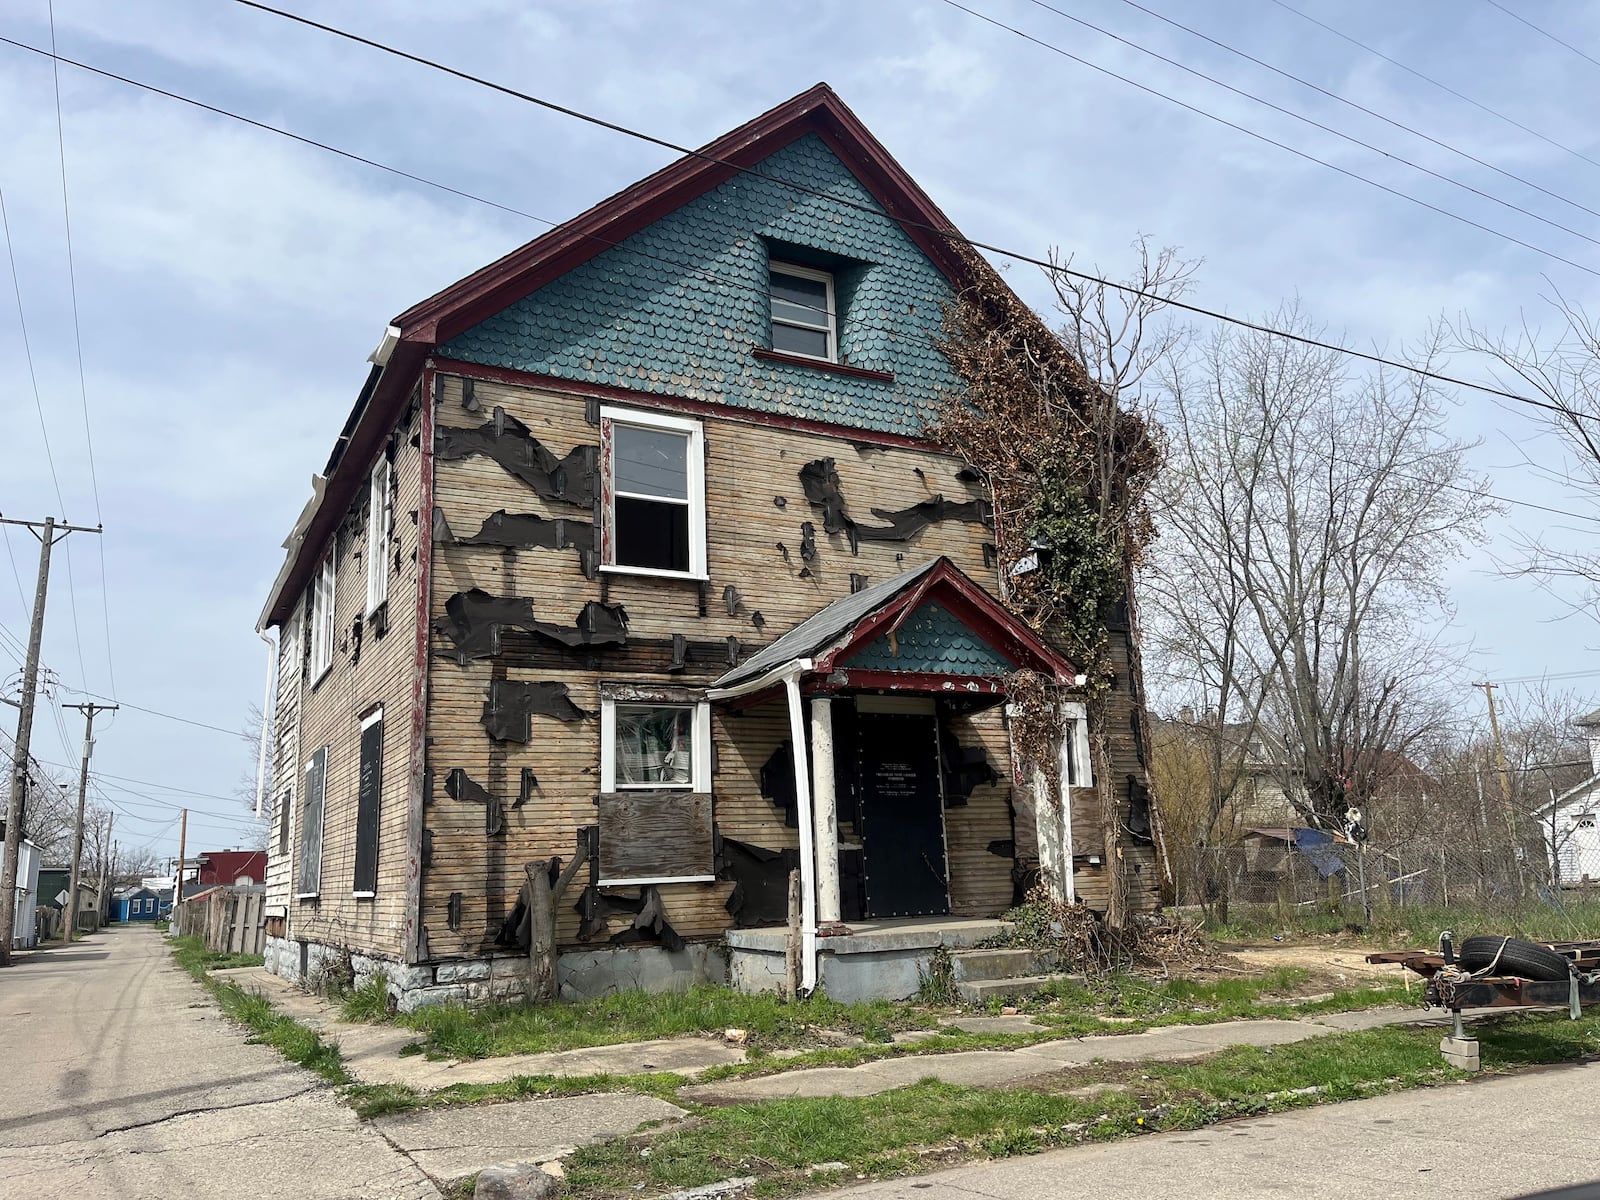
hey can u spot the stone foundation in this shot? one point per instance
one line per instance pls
(581, 974)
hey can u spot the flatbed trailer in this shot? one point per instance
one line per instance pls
(1448, 986)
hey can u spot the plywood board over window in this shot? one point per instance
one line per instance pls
(316, 776)
(655, 837)
(369, 796)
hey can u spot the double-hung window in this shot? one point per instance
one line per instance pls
(655, 489)
(1075, 767)
(322, 619)
(803, 319)
(380, 524)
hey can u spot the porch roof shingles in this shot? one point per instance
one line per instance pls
(825, 625)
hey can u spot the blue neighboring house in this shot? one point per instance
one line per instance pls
(137, 904)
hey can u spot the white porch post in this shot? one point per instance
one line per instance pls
(808, 875)
(825, 808)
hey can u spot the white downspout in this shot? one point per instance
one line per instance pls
(266, 719)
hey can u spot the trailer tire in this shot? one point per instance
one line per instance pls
(1512, 956)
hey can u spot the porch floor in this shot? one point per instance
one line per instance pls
(876, 937)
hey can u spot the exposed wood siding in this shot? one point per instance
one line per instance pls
(327, 712)
(748, 467)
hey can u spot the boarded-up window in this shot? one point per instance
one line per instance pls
(285, 799)
(310, 882)
(369, 795)
(655, 837)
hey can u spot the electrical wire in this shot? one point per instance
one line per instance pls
(1361, 108)
(1518, 17)
(1261, 137)
(906, 222)
(27, 353)
(83, 386)
(155, 712)
(1443, 87)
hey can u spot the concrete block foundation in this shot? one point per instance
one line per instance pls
(580, 974)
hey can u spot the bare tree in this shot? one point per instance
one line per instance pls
(1307, 519)
(1561, 370)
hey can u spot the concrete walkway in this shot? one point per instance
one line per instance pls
(991, 1068)
(123, 1079)
(1484, 1141)
(371, 1052)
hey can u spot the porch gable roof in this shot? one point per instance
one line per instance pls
(836, 633)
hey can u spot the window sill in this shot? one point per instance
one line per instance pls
(821, 364)
(657, 879)
(308, 895)
(651, 572)
(364, 895)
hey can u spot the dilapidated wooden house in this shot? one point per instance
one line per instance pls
(616, 525)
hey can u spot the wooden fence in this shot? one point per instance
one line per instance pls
(227, 919)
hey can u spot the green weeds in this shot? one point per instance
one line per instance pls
(293, 1040)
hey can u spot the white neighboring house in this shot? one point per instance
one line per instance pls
(1571, 822)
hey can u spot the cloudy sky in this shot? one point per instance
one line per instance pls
(230, 283)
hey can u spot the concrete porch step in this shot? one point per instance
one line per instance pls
(981, 991)
(978, 965)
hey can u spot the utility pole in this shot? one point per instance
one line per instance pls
(88, 711)
(1505, 777)
(108, 849)
(49, 533)
(177, 881)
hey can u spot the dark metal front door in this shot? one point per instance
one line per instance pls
(902, 815)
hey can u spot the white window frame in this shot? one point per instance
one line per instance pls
(324, 590)
(700, 731)
(380, 524)
(696, 461)
(825, 277)
(1077, 769)
(289, 664)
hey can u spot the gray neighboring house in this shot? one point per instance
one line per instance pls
(1570, 823)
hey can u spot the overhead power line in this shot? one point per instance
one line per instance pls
(83, 386)
(1271, 141)
(156, 712)
(1443, 87)
(1520, 19)
(905, 222)
(1361, 108)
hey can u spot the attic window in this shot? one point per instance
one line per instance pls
(803, 317)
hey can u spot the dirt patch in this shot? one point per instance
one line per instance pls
(1342, 966)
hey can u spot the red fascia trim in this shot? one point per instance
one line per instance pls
(918, 681)
(683, 404)
(821, 364)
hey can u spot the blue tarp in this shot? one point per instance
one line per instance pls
(1321, 851)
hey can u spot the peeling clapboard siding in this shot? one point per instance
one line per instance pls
(368, 670)
(755, 505)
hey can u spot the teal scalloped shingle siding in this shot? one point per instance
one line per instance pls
(677, 307)
(932, 640)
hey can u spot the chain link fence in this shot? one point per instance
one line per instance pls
(1276, 881)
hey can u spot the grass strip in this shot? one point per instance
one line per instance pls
(935, 1124)
(386, 1099)
(296, 1042)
